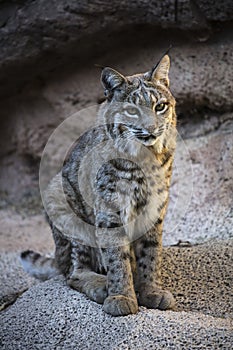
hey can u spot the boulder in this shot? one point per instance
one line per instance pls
(50, 315)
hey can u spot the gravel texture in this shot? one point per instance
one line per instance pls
(52, 316)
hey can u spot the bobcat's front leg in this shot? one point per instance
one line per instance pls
(115, 251)
(148, 251)
(121, 298)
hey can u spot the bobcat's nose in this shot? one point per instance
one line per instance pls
(150, 129)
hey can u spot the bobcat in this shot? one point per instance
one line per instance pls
(107, 205)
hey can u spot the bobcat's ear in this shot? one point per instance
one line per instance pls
(160, 71)
(111, 79)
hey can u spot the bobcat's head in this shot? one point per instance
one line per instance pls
(139, 107)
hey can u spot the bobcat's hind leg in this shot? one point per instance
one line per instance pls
(90, 283)
(81, 276)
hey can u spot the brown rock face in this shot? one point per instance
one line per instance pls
(36, 36)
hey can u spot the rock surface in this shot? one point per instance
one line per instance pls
(36, 36)
(201, 207)
(73, 322)
(51, 316)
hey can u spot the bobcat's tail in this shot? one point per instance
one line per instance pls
(39, 266)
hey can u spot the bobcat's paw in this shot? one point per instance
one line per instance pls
(158, 299)
(91, 284)
(120, 305)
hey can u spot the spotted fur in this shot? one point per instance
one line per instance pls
(108, 230)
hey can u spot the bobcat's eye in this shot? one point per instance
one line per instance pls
(161, 107)
(131, 111)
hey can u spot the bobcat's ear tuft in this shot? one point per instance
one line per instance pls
(111, 79)
(160, 71)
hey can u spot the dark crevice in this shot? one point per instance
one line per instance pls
(9, 299)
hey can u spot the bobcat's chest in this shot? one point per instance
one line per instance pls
(129, 188)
